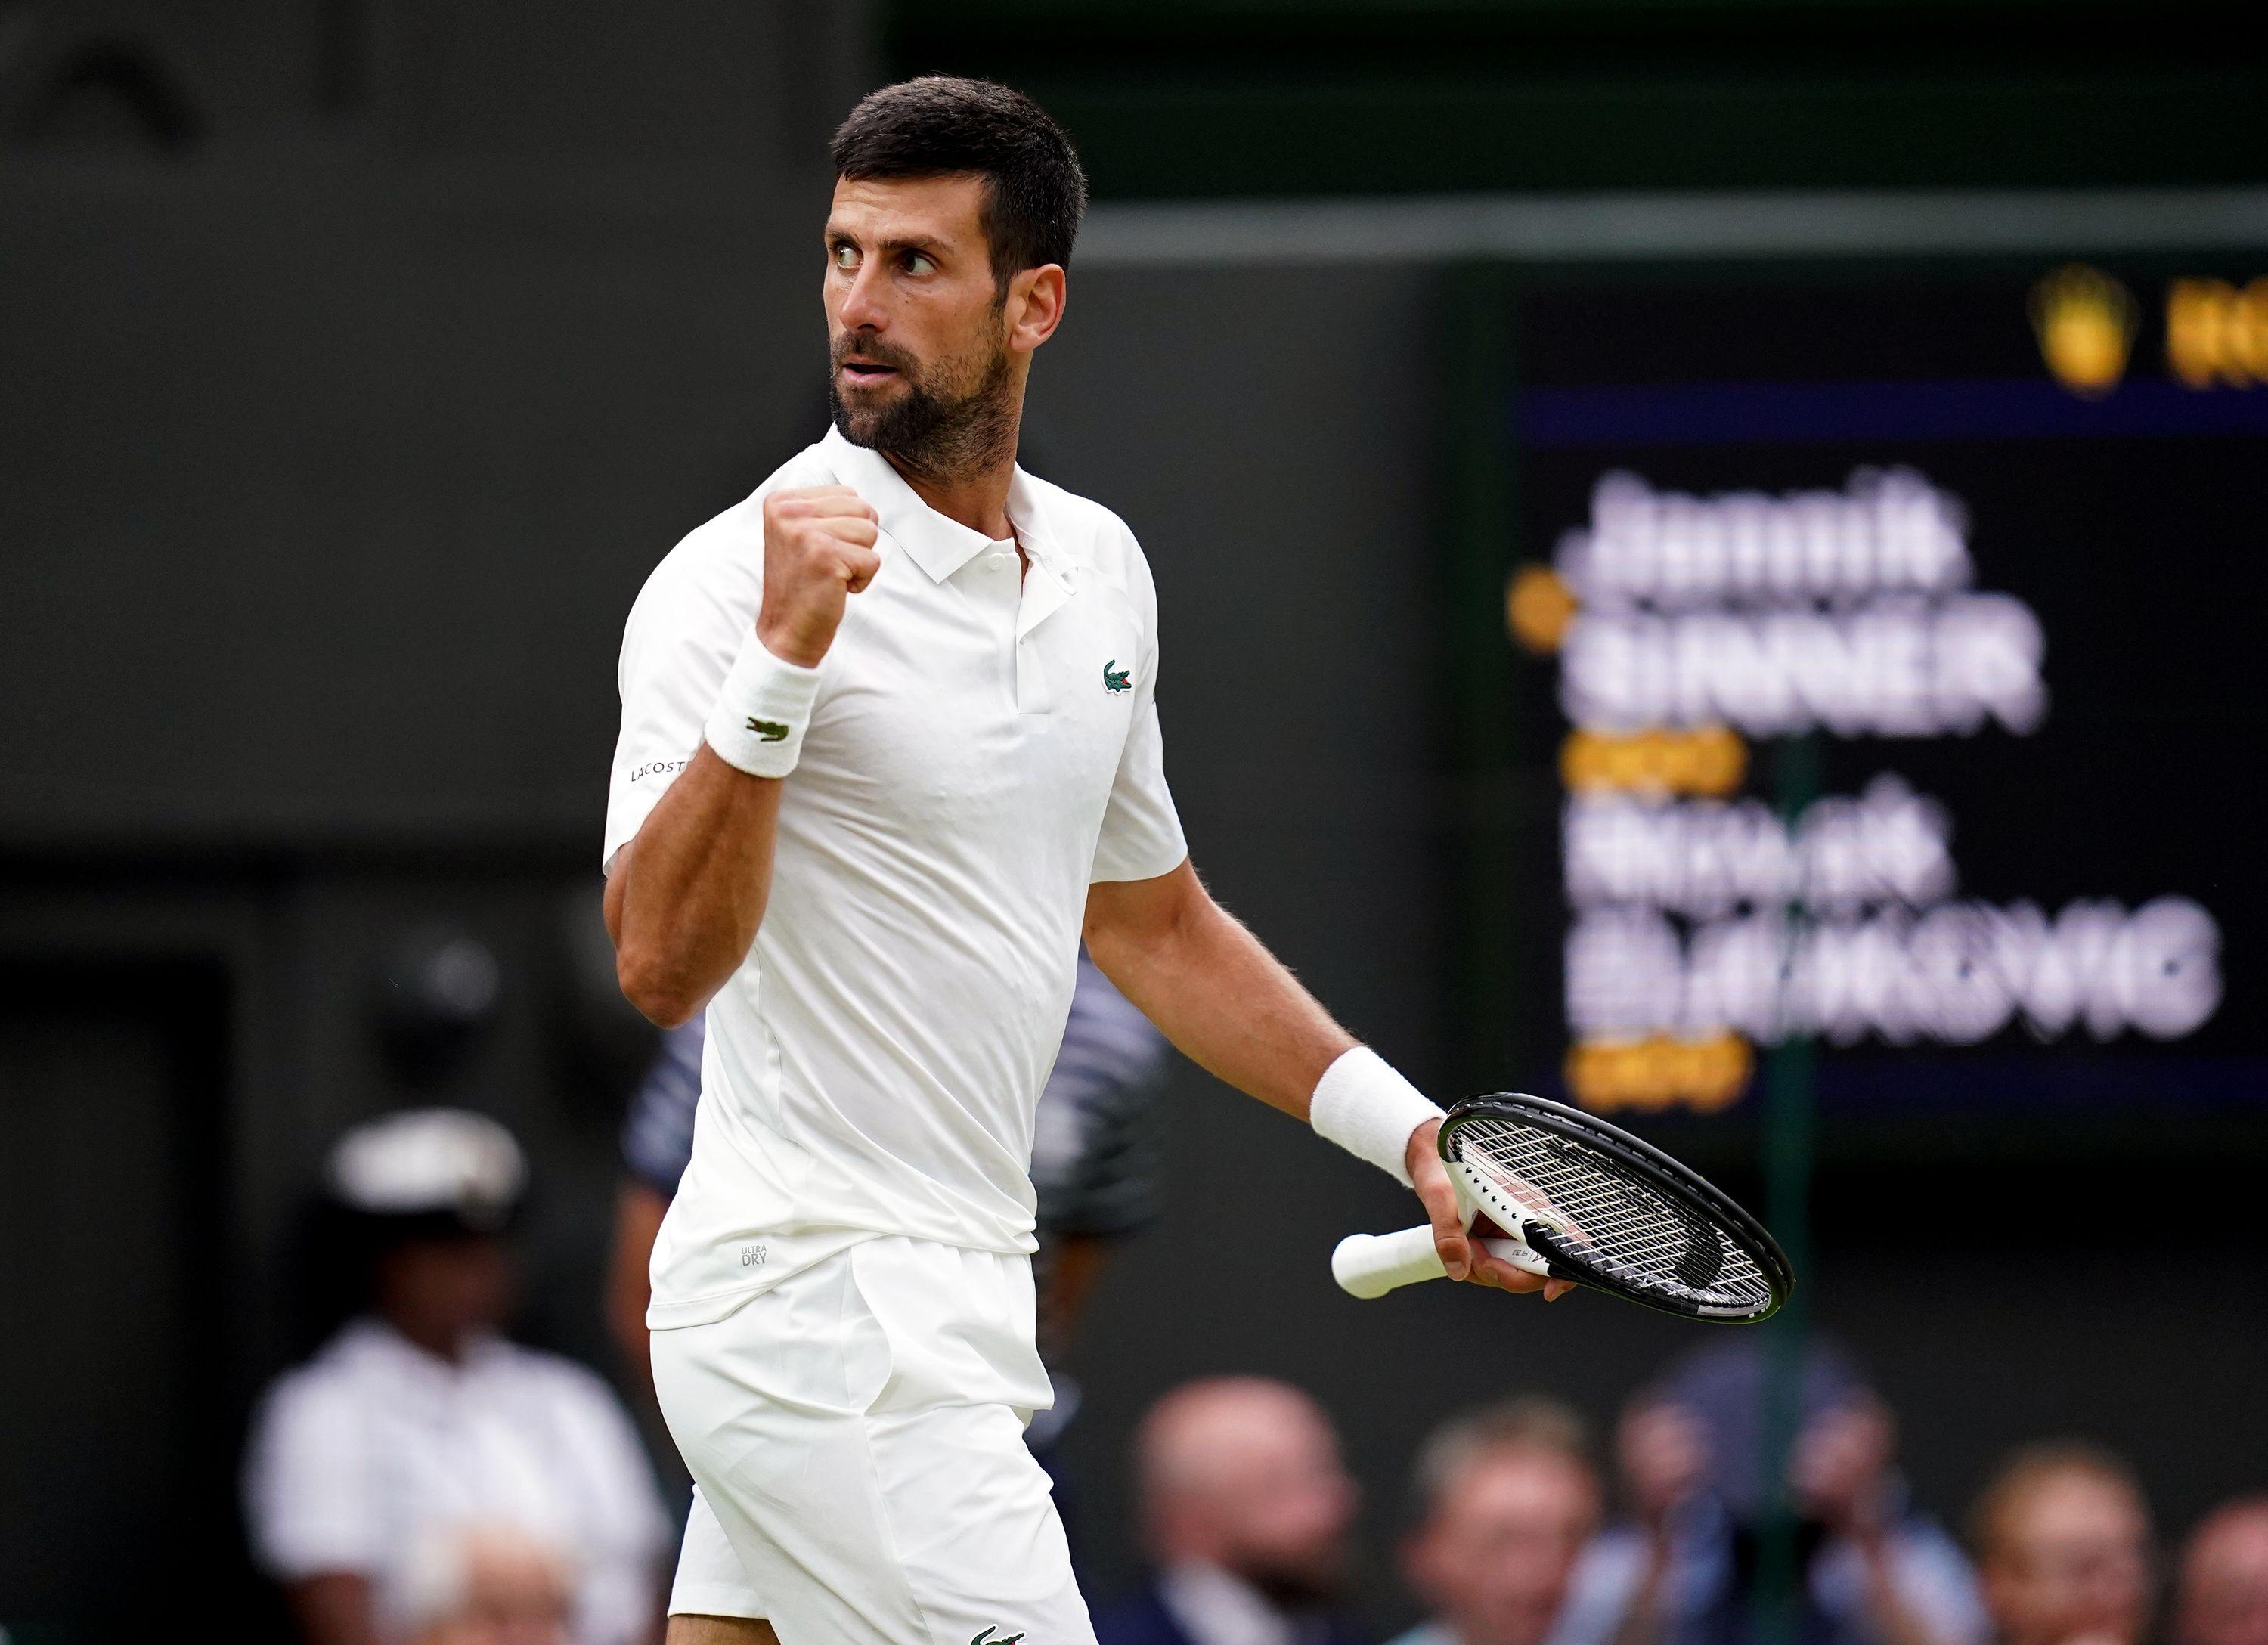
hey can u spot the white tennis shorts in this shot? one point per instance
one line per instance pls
(856, 1438)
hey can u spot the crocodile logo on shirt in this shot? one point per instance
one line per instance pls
(770, 730)
(1114, 679)
(985, 1638)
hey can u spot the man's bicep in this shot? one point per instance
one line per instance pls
(610, 897)
(1128, 916)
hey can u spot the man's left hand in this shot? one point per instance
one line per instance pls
(1463, 1256)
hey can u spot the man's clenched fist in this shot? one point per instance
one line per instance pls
(819, 549)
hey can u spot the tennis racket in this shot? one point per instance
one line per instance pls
(1578, 1199)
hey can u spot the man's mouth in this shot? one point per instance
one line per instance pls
(860, 371)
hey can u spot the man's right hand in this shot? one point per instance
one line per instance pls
(1464, 1257)
(819, 549)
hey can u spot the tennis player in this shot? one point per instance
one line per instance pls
(890, 744)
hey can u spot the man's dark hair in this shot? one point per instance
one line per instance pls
(942, 126)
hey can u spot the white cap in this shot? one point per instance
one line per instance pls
(426, 1159)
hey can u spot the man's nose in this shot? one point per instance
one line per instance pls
(862, 308)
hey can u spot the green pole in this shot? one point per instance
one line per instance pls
(1480, 544)
(1786, 1125)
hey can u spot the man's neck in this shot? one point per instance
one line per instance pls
(428, 1337)
(978, 499)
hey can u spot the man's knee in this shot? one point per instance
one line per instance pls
(720, 1631)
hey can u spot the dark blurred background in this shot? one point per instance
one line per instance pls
(362, 356)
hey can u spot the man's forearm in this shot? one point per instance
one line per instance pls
(1226, 1003)
(333, 1608)
(1231, 1008)
(686, 895)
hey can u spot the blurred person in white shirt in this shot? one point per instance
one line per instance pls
(2063, 1548)
(418, 1414)
(485, 1585)
(1509, 1500)
(2222, 1599)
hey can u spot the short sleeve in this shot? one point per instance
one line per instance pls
(1141, 831)
(683, 633)
(307, 1483)
(1936, 1581)
(1601, 1590)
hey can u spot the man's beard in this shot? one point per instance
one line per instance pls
(1316, 1582)
(962, 425)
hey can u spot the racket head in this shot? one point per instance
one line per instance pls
(1612, 1211)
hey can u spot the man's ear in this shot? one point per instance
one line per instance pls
(1035, 306)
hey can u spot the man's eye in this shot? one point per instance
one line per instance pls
(918, 264)
(846, 257)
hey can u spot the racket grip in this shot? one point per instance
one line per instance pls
(1372, 1265)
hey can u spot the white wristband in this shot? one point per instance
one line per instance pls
(1368, 1110)
(758, 723)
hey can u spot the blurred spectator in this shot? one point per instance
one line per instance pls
(2223, 1596)
(1246, 1510)
(657, 1144)
(484, 1585)
(2063, 1547)
(418, 1416)
(1685, 1572)
(1508, 1501)
(1094, 1164)
(1094, 1150)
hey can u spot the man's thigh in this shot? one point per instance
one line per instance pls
(927, 1527)
(711, 1581)
(855, 1516)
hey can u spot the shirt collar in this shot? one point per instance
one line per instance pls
(1217, 1607)
(1030, 523)
(937, 545)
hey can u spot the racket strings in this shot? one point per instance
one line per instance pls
(1614, 1219)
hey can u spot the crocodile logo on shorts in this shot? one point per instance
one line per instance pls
(770, 730)
(1114, 679)
(985, 1638)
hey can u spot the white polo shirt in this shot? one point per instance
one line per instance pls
(374, 1442)
(983, 748)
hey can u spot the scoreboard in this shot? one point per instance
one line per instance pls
(1887, 640)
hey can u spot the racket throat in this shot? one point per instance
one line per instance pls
(1507, 1226)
